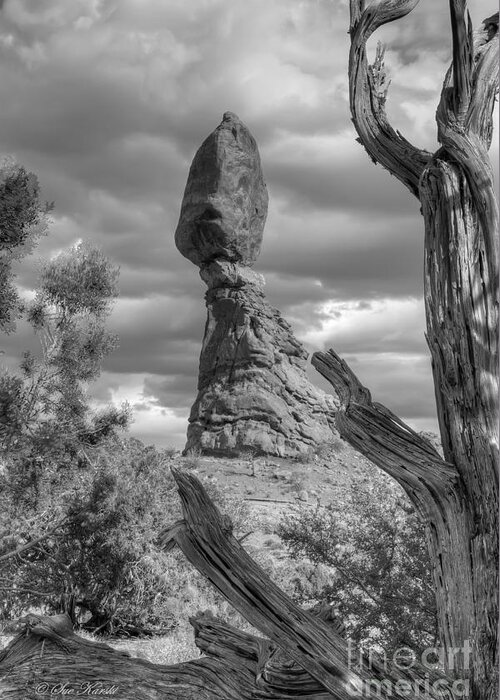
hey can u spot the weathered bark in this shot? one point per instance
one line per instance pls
(368, 92)
(456, 190)
(49, 658)
(49, 655)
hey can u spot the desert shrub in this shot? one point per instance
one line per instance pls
(298, 481)
(192, 460)
(56, 449)
(382, 583)
(101, 555)
(103, 562)
(171, 452)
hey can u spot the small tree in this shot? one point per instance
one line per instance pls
(23, 218)
(51, 439)
(100, 563)
(46, 419)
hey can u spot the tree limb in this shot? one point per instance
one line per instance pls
(383, 438)
(237, 666)
(48, 656)
(463, 54)
(368, 92)
(465, 117)
(33, 543)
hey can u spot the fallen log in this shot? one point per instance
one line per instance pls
(48, 658)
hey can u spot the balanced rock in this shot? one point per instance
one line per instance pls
(225, 201)
(253, 391)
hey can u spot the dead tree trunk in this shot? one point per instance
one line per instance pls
(457, 497)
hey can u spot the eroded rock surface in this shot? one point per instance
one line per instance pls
(225, 201)
(253, 391)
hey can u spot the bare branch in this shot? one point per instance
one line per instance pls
(33, 543)
(383, 438)
(463, 54)
(484, 86)
(368, 92)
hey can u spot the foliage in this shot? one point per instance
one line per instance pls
(103, 558)
(80, 507)
(192, 459)
(381, 573)
(23, 218)
(112, 511)
(58, 453)
(46, 425)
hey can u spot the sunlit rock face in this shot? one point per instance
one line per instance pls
(253, 391)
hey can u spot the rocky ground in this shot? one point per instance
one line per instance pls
(322, 476)
(271, 486)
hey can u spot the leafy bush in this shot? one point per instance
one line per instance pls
(381, 583)
(23, 218)
(102, 562)
(110, 514)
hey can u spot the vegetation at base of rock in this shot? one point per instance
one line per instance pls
(456, 496)
(381, 582)
(101, 563)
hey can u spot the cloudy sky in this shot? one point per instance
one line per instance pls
(108, 100)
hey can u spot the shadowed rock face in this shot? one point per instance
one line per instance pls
(253, 391)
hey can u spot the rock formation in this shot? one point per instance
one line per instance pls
(253, 391)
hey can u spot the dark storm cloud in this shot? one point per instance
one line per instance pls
(418, 33)
(287, 291)
(177, 391)
(158, 336)
(352, 256)
(346, 183)
(387, 327)
(377, 272)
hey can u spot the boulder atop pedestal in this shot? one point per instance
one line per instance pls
(225, 201)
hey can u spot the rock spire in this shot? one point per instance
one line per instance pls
(253, 391)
